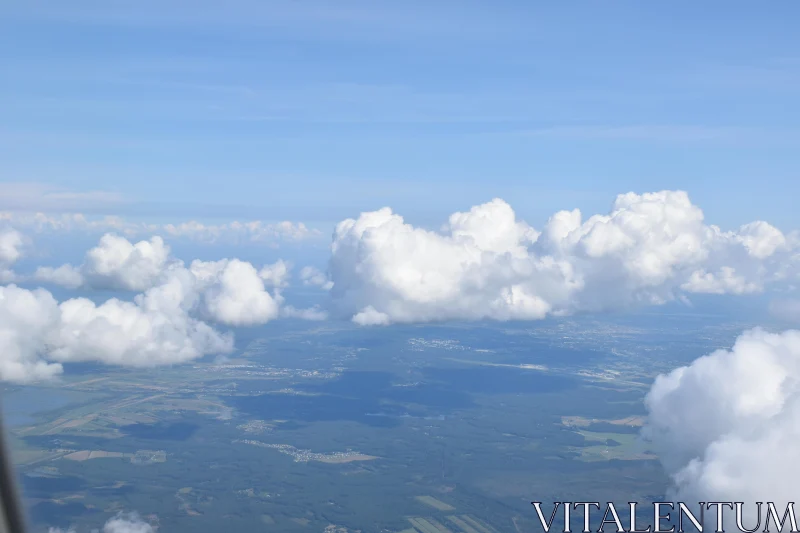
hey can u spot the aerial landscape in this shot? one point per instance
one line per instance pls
(424, 428)
(399, 266)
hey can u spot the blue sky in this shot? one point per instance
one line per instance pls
(315, 111)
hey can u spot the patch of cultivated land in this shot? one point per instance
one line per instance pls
(624, 446)
(436, 504)
(579, 421)
(85, 455)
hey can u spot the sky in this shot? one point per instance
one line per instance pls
(314, 112)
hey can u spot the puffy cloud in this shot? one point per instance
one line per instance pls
(10, 246)
(760, 239)
(115, 263)
(26, 317)
(314, 277)
(66, 276)
(485, 263)
(370, 317)
(725, 281)
(118, 264)
(37, 333)
(228, 291)
(162, 325)
(11, 243)
(276, 275)
(233, 292)
(155, 329)
(127, 524)
(121, 523)
(725, 426)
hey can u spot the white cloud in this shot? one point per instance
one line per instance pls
(26, 317)
(127, 524)
(228, 291)
(37, 333)
(162, 325)
(66, 276)
(118, 264)
(314, 277)
(67, 222)
(115, 263)
(11, 244)
(254, 231)
(310, 313)
(725, 281)
(726, 426)
(485, 263)
(233, 293)
(121, 523)
(761, 239)
(154, 329)
(276, 275)
(370, 317)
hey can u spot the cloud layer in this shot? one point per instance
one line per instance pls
(254, 231)
(726, 426)
(485, 263)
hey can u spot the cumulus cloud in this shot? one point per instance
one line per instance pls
(115, 263)
(26, 317)
(121, 523)
(37, 333)
(314, 277)
(66, 276)
(118, 264)
(10, 246)
(485, 263)
(233, 292)
(166, 323)
(127, 524)
(724, 281)
(11, 243)
(276, 275)
(726, 426)
(229, 291)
